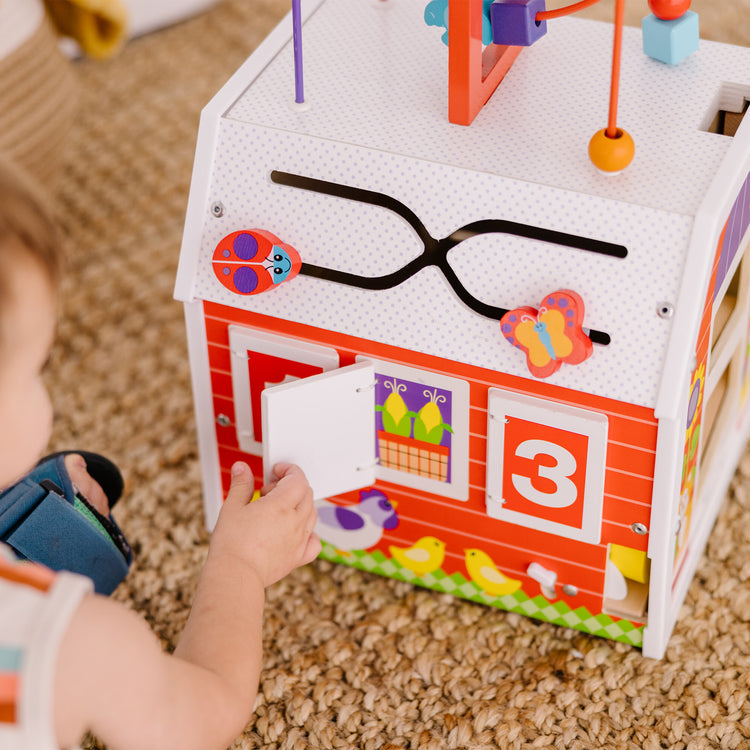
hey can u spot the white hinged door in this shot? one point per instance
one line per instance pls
(260, 360)
(545, 465)
(326, 425)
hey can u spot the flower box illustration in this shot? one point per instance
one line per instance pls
(413, 436)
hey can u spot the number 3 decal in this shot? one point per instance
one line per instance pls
(545, 465)
(565, 492)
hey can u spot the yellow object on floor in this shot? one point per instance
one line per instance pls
(99, 26)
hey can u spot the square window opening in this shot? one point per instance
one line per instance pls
(727, 114)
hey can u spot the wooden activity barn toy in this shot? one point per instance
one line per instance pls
(506, 337)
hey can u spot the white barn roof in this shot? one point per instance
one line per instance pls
(376, 119)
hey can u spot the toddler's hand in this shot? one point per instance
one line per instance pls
(275, 533)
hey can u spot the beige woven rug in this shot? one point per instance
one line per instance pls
(351, 660)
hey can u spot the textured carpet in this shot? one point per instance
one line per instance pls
(351, 660)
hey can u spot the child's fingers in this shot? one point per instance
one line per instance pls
(292, 486)
(287, 472)
(243, 485)
(282, 469)
(312, 549)
(309, 518)
(279, 471)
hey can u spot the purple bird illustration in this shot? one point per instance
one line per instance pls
(356, 526)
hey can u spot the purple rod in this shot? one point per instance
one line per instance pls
(299, 89)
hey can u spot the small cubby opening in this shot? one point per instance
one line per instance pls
(714, 408)
(634, 606)
(726, 122)
(731, 310)
(725, 364)
(725, 308)
(719, 407)
(729, 111)
(626, 586)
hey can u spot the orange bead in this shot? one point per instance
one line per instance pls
(611, 154)
(668, 10)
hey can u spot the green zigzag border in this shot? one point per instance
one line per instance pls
(557, 613)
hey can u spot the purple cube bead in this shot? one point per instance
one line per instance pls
(514, 22)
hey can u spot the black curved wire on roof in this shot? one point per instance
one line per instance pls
(436, 251)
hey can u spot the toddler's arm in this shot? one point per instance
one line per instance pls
(136, 696)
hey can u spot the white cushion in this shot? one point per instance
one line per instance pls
(149, 15)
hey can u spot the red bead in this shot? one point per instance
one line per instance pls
(668, 10)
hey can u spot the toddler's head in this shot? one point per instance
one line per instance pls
(30, 263)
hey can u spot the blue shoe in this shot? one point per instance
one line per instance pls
(45, 520)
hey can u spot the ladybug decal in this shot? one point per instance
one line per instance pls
(251, 261)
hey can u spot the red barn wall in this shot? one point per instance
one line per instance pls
(628, 485)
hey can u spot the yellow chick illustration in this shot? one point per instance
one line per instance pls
(425, 556)
(484, 573)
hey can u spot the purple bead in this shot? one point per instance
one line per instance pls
(514, 22)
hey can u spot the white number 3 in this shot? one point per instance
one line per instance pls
(565, 493)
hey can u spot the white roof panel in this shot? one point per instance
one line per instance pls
(376, 120)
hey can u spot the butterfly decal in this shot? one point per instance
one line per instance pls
(551, 335)
(251, 261)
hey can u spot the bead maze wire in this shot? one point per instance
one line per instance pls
(611, 130)
(614, 89)
(605, 147)
(546, 15)
(436, 250)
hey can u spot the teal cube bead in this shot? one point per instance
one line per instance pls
(670, 41)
